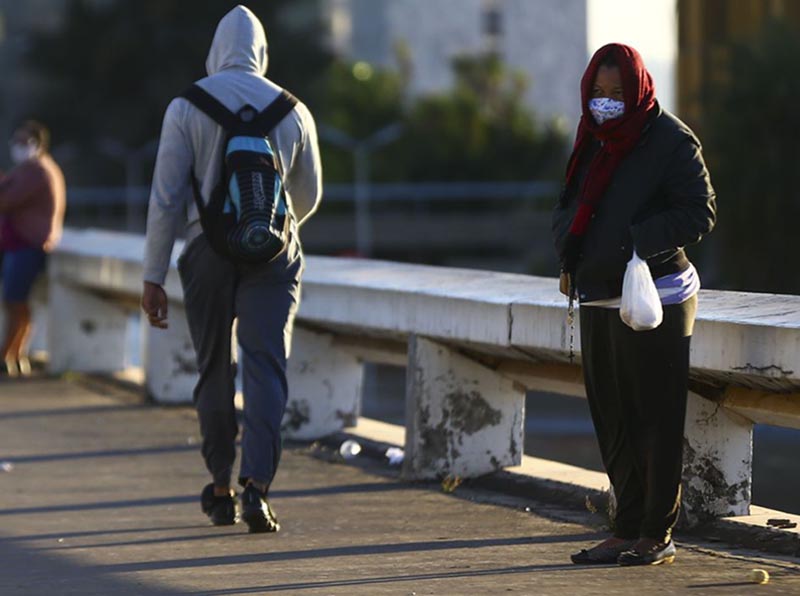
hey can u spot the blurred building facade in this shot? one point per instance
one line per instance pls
(545, 41)
(707, 30)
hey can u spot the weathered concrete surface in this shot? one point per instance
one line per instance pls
(85, 331)
(102, 500)
(324, 386)
(169, 359)
(744, 339)
(717, 462)
(463, 418)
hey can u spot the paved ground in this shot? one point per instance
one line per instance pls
(102, 499)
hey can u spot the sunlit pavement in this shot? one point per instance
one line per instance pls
(100, 496)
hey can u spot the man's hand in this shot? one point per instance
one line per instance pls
(154, 304)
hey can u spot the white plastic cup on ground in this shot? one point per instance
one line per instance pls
(349, 449)
(395, 455)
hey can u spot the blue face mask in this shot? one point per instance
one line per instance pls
(604, 109)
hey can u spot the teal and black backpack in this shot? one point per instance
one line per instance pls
(247, 219)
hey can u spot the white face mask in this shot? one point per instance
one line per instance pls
(22, 152)
(604, 109)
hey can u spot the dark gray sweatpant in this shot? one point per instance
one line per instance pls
(264, 299)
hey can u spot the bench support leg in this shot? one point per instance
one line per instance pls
(85, 332)
(324, 387)
(462, 418)
(717, 462)
(169, 359)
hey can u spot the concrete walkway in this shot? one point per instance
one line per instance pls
(102, 499)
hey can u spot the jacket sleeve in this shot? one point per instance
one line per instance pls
(18, 186)
(304, 179)
(560, 222)
(169, 194)
(691, 205)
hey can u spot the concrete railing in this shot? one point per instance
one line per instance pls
(473, 342)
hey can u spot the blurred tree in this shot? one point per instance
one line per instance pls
(359, 100)
(753, 159)
(113, 68)
(479, 130)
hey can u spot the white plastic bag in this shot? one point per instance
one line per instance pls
(640, 308)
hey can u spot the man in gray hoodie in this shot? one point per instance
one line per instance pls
(263, 297)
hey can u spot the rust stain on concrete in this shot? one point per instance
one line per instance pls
(470, 412)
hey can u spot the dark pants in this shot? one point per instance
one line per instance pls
(18, 272)
(264, 300)
(637, 385)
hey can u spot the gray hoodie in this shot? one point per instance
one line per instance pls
(236, 65)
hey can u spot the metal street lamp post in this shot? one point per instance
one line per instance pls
(362, 150)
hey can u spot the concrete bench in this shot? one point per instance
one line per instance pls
(473, 342)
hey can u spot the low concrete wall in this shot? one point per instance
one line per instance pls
(472, 341)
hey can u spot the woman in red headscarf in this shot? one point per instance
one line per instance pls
(636, 181)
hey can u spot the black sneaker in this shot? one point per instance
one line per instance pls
(220, 510)
(656, 554)
(256, 511)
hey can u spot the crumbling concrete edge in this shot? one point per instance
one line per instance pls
(743, 533)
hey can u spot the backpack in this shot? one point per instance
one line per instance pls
(247, 219)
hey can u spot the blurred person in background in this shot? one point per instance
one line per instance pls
(636, 181)
(262, 296)
(32, 204)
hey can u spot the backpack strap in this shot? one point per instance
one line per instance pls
(275, 112)
(214, 109)
(211, 107)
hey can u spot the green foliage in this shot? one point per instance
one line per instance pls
(357, 106)
(753, 159)
(480, 130)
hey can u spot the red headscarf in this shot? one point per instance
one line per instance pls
(618, 136)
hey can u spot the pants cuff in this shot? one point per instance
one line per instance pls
(626, 533)
(243, 480)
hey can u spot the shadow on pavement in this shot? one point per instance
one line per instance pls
(154, 502)
(52, 457)
(392, 579)
(26, 572)
(95, 533)
(339, 551)
(214, 534)
(342, 489)
(721, 585)
(369, 487)
(80, 410)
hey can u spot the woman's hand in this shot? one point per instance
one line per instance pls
(564, 283)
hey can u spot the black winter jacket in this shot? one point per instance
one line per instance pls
(659, 200)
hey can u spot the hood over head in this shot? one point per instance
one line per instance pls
(619, 137)
(638, 88)
(239, 44)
